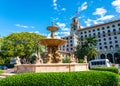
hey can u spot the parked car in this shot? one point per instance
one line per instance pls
(3, 67)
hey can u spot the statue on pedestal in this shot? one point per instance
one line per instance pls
(85, 59)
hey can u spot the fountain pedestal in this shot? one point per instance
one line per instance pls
(54, 67)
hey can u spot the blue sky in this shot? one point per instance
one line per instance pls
(36, 15)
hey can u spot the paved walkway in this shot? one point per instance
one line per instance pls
(6, 73)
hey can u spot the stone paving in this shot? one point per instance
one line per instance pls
(6, 73)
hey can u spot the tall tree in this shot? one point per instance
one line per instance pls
(22, 44)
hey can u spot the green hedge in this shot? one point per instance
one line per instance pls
(1, 71)
(111, 69)
(86, 78)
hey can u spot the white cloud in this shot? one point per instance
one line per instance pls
(103, 17)
(82, 7)
(62, 34)
(107, 17)
(55, 4)
(90, 22)
(63, 9)
(62, 26)
(116, 3)
(54, 19)
(100, 11)
(24, 26)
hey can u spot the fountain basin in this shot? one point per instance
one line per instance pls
(52, 42)
(53, 67)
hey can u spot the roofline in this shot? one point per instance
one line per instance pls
(99, 25)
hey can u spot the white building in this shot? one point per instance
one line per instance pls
(106, 34)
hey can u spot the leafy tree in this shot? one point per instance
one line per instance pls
(87, 49)
(22, 44)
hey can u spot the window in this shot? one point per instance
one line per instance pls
(103, 28)
(116, 41)
(99, 40)
(94, 34)
(114, 30)
(93, 30)
(67, 45)
(110, 42)
(108, 26)
(116, 46)
(100, 43)
(71, 37)
(111, 46)
(89, 34)
(105, 43)
(71, 48)
(81, 39)
(98, 29)
(115, 37)
(104, 39)
(114, 33)
(85, 32)
(89, 31)
(100, 48)
(104, 35)
(103, 32)
(98, 36)
(98, 32)
(109, 38)
(113, 25)
(108, 31)
(81, 32)
(109, 34)
(118, 24)
(70, 40)
(71, 45)
(81, 36)
(85, 35)
(105, 47)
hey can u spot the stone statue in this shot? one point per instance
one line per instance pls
(72, 60)
(85, 59)
(48, 58)
(18, 60)
(38, 59)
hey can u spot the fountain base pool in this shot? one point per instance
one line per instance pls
(54, 67)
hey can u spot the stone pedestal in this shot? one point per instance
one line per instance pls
(54, 67)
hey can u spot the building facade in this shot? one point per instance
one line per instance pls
(106, 34)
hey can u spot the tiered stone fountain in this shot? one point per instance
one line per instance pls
(52, 45)
(53, 60)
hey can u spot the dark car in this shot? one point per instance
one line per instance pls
(3, 67)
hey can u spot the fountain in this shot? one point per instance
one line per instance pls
(52, 60)
(52, 45)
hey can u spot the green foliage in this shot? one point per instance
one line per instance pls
(88, 78)
(87, 49)
(111, 69)
(1, 71)
(22, 44)
(66, 60)
(80, 60)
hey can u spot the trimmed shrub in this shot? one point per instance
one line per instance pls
(86, 78)
(111, 69)
(1, 71)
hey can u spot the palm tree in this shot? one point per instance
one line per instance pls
(87, 49)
